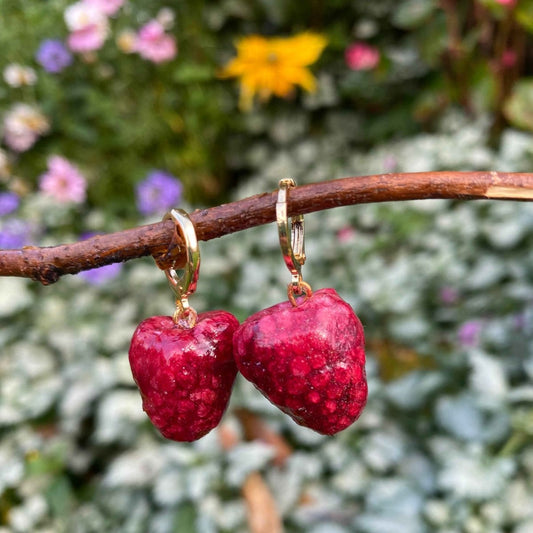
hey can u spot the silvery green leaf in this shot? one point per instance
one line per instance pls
(412, 390)
(336, 454)
(528, 366)
(487, 378)
(506, 233)
(420, 471)
(227, 515)
(329, 527)
(326, 94)
(246, 458)
(135, 468)
(84, 381)
(162, 521)
(409, 328)
(16, 295)
(437, 512)
(205, 524)
(527, 456)
(460, 416)
(170, 488)
(26, 399)
(200, 479)
(288, 127)
(322, 504)
(379, 523)
(486, 272)
(383, 450)
(524, 527)
(493, 513)
(118, 417)
(179, 455)
(12, 470)
(25, 517)
(393, 497)
(515, 147)
(286, 484)
(475, 477)
(517, 500)
(352, 480)
(521, 394)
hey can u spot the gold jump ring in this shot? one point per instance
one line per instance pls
(183, 281)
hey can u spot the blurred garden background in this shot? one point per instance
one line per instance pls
(113, 111)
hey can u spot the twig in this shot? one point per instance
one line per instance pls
(47, 265)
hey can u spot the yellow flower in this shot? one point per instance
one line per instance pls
(274, 66)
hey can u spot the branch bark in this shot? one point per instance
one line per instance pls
(160, 240)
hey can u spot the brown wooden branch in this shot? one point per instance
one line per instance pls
(47, 265)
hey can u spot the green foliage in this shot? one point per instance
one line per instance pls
(117, 115)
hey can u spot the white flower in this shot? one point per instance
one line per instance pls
(23, 124)
(80, 15)
(166, 17)
(16, 75)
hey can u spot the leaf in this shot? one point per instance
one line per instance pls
(411, 14)
(59, 496)
(524, 14)
(193, 73)
(263, 515)
(519, 107)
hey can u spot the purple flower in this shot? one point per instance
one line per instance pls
(449, 295)
(100, 275)
(469, 333)
(159, 192)
(14, 234)
(9, 202)
(53, 55)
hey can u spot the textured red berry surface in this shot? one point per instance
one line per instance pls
(185, 375)
(308, 360)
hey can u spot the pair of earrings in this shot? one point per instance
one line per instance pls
(306, 355)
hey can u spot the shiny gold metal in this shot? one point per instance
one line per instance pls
(291, 240)
(183, 281)
(304, 288)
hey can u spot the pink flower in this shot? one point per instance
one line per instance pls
(154, 44)
(108, 7)
(361, 56)
(508, 59)
(346, 234)
(87, 39)
(63, 181)
(88, 25)
(507, 3)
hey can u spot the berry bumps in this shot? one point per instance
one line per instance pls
(308, 360)
(185, 375)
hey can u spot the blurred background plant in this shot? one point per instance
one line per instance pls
(112, 111)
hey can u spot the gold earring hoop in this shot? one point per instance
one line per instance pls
(183, 281)
(291, 240)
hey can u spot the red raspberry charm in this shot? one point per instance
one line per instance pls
(308, 360)
(185, 375)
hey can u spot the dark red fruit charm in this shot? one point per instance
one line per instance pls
(185, 375)
(307, 359)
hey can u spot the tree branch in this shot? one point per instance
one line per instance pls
(160, 240)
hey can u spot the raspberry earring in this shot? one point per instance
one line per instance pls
(305, 355)
(183, 365)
